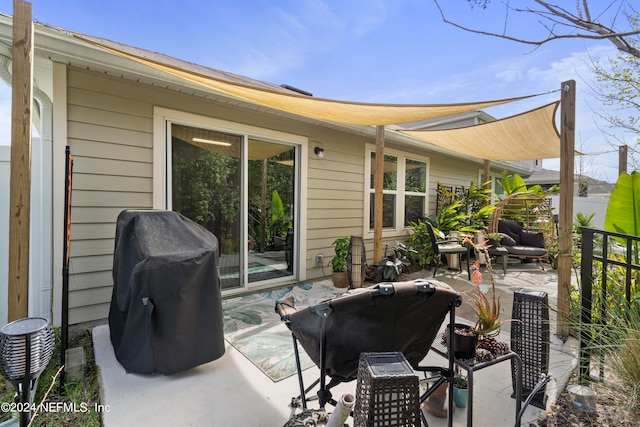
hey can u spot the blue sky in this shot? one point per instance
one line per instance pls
(396, 51)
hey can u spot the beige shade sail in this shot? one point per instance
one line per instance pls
(318, 108)
(527, 136)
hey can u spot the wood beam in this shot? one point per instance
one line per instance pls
(622, 159)
(377, 203)
(20, 175)
(565, 241)
(485, 177)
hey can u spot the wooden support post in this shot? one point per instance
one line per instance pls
(622, 159)
(565, 242)
(20, 176)
(378, 187)
(486, 176)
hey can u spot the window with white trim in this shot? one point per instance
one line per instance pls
(404, 189)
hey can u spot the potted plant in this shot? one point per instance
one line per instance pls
(393, 263)
(460, 388)
(465, 340)
(338, 263)
(486, 306)
(493, 239)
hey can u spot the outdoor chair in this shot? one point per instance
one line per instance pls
(447, 247)
(400, 317)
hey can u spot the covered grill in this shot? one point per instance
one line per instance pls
(166, 312)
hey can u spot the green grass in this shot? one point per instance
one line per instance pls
(76, 405)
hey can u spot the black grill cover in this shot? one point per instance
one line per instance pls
(166, 312)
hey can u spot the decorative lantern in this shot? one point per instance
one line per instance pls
(356, 262)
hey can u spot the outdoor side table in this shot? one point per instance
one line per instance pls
(502, 253)
(471, 365)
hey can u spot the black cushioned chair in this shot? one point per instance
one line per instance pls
(520, 242)
(388, 317)
(447, 247)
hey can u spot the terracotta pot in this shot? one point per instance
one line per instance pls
(341, 279)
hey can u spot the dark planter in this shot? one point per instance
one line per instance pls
(464, 341)
(494, 243)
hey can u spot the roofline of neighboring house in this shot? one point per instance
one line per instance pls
(480, 115)
(60, 45)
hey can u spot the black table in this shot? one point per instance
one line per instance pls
(500, 252)
(472, 365)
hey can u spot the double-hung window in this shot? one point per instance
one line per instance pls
(404, 189)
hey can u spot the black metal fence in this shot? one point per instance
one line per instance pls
(602, 250)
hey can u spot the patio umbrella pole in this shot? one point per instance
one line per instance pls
(64, 329)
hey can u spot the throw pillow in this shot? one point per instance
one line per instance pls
(510, 228)
(507, 240)
(532, 238)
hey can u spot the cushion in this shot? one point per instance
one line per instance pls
(511, 228)
(526, 251)
(507, 240)
(532, 238)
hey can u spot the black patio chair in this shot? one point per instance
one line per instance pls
(388, 317)
(447, 247)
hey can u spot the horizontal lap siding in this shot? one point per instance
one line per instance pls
(110, 132)
(110, 135)
(450, 171)
(335, 194)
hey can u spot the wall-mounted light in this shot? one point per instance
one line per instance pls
(319, 152)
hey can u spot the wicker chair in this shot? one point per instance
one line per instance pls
(527, 224)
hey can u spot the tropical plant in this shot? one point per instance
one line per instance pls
(512, 184)
(339, 261)
(623, 210)
(420, 240)
(280, 223)
(581, 220)
(494, 236)
(467, 211)
(395, 259)
(448, 219)
(475, 203)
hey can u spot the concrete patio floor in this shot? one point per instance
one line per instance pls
(231, 391)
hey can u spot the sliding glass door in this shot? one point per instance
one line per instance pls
(242, 189)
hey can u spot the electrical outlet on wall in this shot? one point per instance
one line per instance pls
(318, 260)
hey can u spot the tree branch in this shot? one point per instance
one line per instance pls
(560, 16)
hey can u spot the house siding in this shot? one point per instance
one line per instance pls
(110, 133)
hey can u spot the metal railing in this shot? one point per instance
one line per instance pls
(601, 250)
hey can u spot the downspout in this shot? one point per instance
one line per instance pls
(41, 254)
